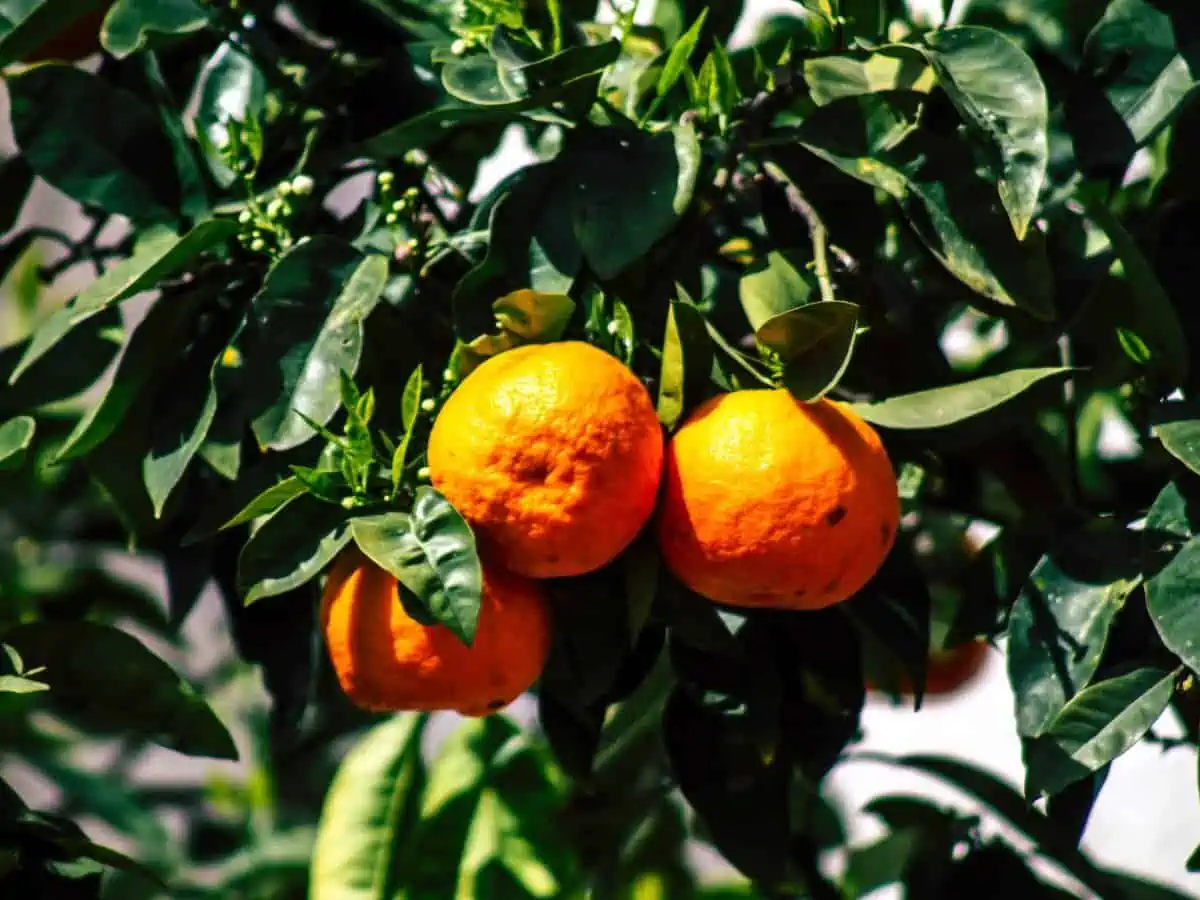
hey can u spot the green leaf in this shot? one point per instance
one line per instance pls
(816, 343)
(16, 178)
(63, 122)
(16, 436)
(627, 190)
(1095, 727)
(1181, 438)
(105, 678)
(999, 92)
(773, 286)
(437, 124)
(1141, 59)
(897, 67)
(1060, 623)
(291, 547)
(877, 138)
(432, 553)
(132, 25)
(534, 316)
(882, 862)
(306, 325)
(724, 93)
(687, 359)
(944, 406)
(268, 501)
(25, 28)
(230, 88)
(151, 351)
(1155, 326)
(369, 812)
(679, 58)
(158, 254)
(1170, 599)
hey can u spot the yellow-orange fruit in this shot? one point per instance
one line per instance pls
(79, 39)
(386, 660)
(553, 453)
(769, 502)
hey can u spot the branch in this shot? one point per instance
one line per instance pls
(799, 204)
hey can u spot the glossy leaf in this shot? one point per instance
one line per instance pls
(815, 343)
(306, 326)
(132, 25)
(291, 548)
(16, 436)
(680, 56)
(956, 213)
(1095, 727)
(268, 501)
(774, 286)
(1181, 438)
(432, 553)
(1170, 599)
(230, 88)
(158, 254)
(367, 814)
(1059, 625)
(894, 67)
(108, 679)
(62, 120)
(999, 93)
(149, 353)
(940, 407)
(628, 189)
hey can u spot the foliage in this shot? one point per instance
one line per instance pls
(981, 236)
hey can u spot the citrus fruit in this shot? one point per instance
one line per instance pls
(79, 39)
(769, 502)
(947, 670)
(553, 453)
(386, 660)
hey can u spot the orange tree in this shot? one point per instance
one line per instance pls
(746, 338)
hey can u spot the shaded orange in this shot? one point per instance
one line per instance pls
(553, 453)
(79, 39)
(769, 502)
(386, 660)
(947, 670)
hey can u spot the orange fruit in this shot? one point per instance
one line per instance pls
(386, 660)
(769, 502)
(948, 670)
(553, 453)
(79, 39)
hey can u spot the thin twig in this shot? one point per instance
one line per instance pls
(1066, 358)
(816, 228)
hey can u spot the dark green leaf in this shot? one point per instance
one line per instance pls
(151, 351)
(1170, 598)
(434, 125)
(1059, 625)
(775, 285)
(230, 88)
(1095, 727)
(292, 547)
(432, 553)
(683, 380)
(628, 189)
(815, 343)
(16, 436)
(307, 325)
(999, 93)
(158, 254)
(63, 122)
(1181, 438)
(108, 679)
(368, 812)
(940, 407)
(881, 863)
(897, 67)
(27, 27)
(16, 178)
(268, 501)
(957, 214)
(132, 25)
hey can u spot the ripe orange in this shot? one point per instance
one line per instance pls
(948, 670)
(385, 660)
(775, 503)
(553, 453)
(79, 39)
